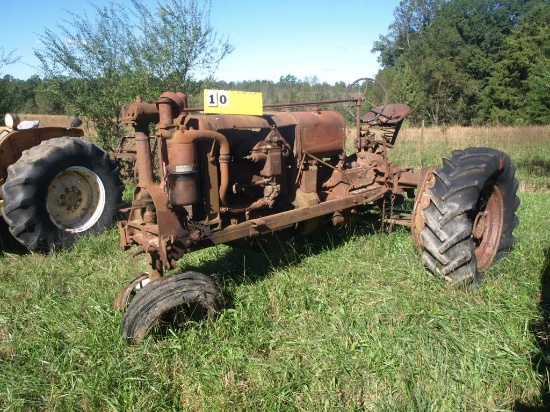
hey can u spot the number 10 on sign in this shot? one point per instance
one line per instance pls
(217, 98)
(233, 102)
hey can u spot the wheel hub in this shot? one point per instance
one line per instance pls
(487, 227)
(75, 199)
(72, 198)
(479, 226)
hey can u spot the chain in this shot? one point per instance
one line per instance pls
(392, 204)
(383, 218)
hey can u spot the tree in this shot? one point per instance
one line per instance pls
(518, 89)
(411, 18)
(6, 98)
(443, 57)
(94, 66)
(7, 58)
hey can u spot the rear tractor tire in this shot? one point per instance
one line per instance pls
(171, 301)
(63, 188)
(465, 214)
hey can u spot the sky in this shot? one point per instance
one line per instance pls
(303, 38)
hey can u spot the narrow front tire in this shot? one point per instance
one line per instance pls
(189, 296)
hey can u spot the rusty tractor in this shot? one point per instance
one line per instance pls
(54, 185)
(230, 177)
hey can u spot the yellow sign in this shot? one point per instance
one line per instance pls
(233, 102)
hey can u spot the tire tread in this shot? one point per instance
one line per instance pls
(449, 250)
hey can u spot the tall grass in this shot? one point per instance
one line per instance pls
(343, 320)
(529, 147)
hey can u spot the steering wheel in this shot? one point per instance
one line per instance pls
(368, 90)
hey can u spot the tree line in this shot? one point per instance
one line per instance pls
(453, 61)
(34, 94)
(469, 61)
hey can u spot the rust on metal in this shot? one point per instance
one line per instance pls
(422, 201)
(488, 223)
(390, 114)
(209, 179)
(123, 298)
(227, 177)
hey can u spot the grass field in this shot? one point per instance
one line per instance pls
(348, 320)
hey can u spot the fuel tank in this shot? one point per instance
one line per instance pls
(320, 133)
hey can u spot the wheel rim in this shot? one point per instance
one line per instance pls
(75, 199)
(488, 222)
(124, 297)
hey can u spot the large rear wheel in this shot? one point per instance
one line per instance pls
(61, 189)
(468, 214)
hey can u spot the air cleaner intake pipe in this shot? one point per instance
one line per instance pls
(182, 167)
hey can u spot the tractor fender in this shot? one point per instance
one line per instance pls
(13, 144)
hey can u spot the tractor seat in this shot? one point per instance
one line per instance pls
(388, 115)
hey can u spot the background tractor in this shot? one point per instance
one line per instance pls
(228, 177)
(54, 185)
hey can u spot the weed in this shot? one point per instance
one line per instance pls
(345, 320)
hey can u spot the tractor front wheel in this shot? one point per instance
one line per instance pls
(171, 301)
